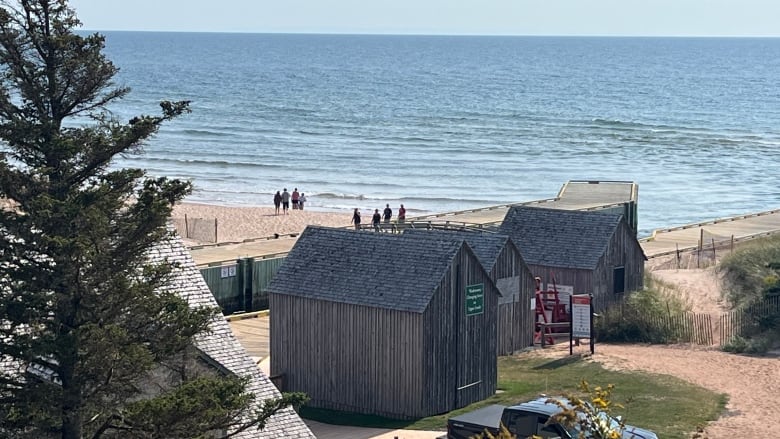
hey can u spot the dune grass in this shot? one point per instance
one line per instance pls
(671, 407)
(750, 270)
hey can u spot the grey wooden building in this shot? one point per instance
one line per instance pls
(384, 324)
(503, 261)
(582, 252)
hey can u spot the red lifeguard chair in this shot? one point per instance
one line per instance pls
(549, 309)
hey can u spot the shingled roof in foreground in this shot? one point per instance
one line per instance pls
(221, 346)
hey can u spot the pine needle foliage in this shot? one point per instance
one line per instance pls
(85, 318)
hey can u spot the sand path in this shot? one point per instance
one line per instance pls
(752, 383)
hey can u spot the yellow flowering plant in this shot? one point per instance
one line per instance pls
(590, 412)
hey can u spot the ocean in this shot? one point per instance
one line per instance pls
(443, 123)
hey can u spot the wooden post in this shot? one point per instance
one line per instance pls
(186, 227)
(678, 255)
(732, 244)
(216, 237)
(571, 324)
(714, 254)
(701, 243)
(592, 337)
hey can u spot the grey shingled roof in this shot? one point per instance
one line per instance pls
(365, 268)
(486, 246)
(560, 238)
(222, 347)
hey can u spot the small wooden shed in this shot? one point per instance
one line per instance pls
(503, 261)
(582, 252)
(384, 324)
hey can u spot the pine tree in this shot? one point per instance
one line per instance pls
(81, 306)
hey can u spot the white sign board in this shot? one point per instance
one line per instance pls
(564, 291)
(580, 316)
(228, 271)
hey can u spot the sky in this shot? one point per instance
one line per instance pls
(437, 17)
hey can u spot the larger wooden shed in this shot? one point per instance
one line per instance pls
(581, 252)
(384, 324)
(503, 261)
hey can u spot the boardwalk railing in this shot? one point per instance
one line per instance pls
(396, 227)
(748, 320)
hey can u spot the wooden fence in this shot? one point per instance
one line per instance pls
(676, 328)
(198, 229)
(701, 329)
(748, 320)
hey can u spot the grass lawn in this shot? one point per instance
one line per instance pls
(666, 405)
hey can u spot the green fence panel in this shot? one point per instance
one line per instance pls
(263, 270)
(223, 281)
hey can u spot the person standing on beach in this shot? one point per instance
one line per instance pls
(301, 200)
(295, 197)
(277, 201)
(356, 219)
(376, 219)
(387, 214)
(401, 214)
(285, 201)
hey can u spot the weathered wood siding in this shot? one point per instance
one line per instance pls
(349, 357)
(623, 250)
(515, 316)
(581, 280)
(459, 351)
(387, 362)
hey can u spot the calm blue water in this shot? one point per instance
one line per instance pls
(445, 123)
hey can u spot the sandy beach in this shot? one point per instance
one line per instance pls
(239, 223)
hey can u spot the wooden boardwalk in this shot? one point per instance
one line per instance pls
(719, 232)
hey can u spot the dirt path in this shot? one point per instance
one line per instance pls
(752, 383)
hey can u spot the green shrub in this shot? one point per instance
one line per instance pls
(640, 318)
(742, 345)
(751, 272)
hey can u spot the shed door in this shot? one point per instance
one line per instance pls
(619, 280)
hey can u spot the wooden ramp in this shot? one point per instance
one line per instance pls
(574, 195)
(716, 232)
(208, 255)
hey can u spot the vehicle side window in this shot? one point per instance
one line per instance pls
(549, 431)
(522, 424)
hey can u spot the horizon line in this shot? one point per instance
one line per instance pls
(427, 34)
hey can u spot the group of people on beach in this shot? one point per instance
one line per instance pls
(376, 218)
(282, 199)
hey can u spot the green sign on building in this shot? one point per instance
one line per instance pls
(475, 299)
